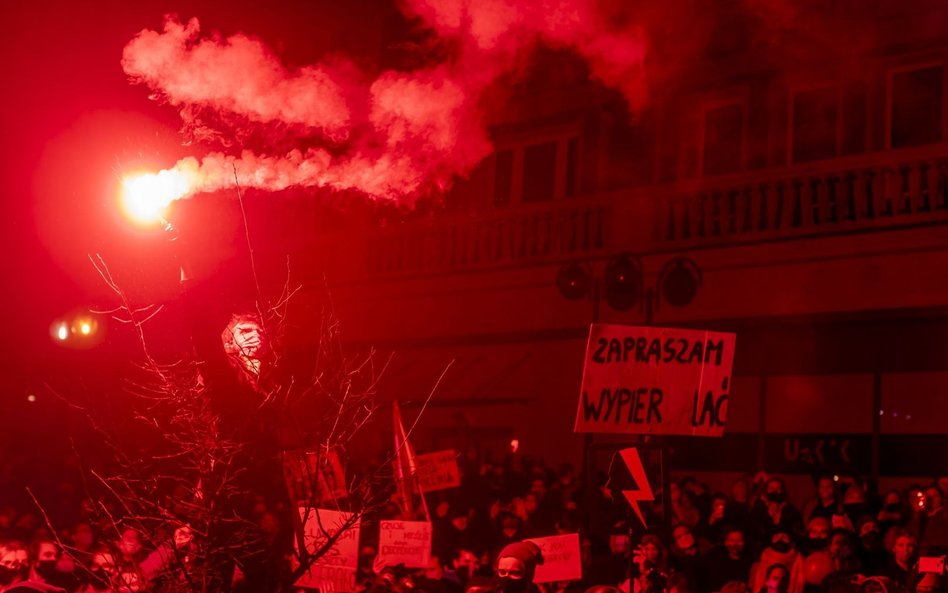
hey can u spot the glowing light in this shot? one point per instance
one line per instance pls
(146, 197)
(62, 332)
(84, 326)
(514, 445)
(31, 398)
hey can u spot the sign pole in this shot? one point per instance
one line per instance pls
(595, 295)
(664, 451)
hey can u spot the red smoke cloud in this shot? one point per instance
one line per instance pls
(401, 134)
(494, 31)
(238, 75)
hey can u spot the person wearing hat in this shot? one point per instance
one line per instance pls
(516, 567)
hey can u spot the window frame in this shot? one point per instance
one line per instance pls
(894, 70)
(800, 88)
(518, 143)
(711, 103)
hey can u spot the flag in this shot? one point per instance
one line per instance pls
(405, 469)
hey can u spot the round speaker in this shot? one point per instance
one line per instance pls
(574, 281)
(680, 283)
(622, 284)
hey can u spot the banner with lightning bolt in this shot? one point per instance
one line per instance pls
(643, 490)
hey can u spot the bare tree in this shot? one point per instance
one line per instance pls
(189, 494)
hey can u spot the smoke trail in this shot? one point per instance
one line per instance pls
(401, 134)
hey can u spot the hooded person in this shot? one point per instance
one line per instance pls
(780, 551)
(516, 566)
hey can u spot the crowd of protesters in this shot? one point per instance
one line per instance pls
(841, 537)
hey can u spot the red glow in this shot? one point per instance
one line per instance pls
(146, 197)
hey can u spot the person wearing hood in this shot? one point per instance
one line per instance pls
(817, 535)
(781, 550)
(516, 566)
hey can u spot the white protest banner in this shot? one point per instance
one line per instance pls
(334, 571)
(654, 380)
(561, 558)
(438, 470)
(404, 542)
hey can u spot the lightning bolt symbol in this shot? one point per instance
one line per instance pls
(632, 461)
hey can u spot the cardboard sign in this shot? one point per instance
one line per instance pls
(404, 542)
(334, 571)
(438, 470)
(561, 558)
(313, 479)
(653, 380)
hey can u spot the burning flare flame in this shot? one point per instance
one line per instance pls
(145, 197)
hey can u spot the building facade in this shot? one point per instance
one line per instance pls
(806, 200)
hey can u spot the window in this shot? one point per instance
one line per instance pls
(539, 172)
(630, 159)
(503, 176)
(572, 166)
(723, 139)
(814, 124)
(916, 107)
(855, 116)
(541, 168)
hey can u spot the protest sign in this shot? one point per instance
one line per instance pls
(653, 380)
(404, 542)
(306, 471)
(438, 470)
(334, 571)
(561, 558)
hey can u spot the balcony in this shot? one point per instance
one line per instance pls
(857, 194)
(864, 193)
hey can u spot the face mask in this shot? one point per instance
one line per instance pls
(854, 509)
(509, 585)
(781, 546)
(464, 573)
(46, 568)
(892, 507)
(775, 497)
(871, 541)
(816, 543)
